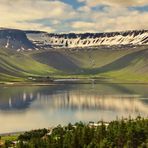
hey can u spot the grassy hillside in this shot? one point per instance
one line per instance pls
(17, 66)
(126, 65)
(114, 64)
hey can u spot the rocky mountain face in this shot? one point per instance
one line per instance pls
(72, 40)
(15, 40)
(35, 40)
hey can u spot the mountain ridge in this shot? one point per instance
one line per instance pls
(73, 40)
(34, 40)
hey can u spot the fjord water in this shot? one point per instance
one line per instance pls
(32, 107)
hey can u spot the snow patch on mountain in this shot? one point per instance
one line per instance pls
(15, 40)
(72, 40)
(35, 40)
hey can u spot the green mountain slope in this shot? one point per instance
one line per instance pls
(114, 64)
(17, 66)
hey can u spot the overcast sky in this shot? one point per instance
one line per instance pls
(74, 15)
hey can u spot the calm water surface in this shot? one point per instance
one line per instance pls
(30, 107)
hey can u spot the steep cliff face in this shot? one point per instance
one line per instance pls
(72, 40)
(15, 40)
(34, 40)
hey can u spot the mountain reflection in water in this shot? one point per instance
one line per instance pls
(23, 107)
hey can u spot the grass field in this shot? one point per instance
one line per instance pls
(10, 137)
(112, 64)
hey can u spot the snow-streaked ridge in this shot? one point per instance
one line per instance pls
(73, 40)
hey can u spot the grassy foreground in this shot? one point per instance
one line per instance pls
(125, 133)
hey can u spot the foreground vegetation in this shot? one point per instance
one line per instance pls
(125, 133)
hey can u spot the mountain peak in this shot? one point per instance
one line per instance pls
(15, 39)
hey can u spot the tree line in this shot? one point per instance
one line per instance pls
(125, 133)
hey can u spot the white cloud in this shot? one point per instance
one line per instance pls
(111, 19)
(121, 3)
(19, 13)
(85, 25)
(62, 17)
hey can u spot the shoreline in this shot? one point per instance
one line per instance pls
(90, 123)
(61, 81)
(12, 133)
